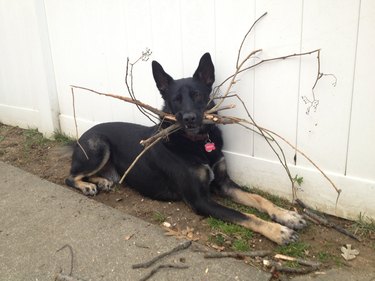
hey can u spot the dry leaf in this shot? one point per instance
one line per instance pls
(348, 253)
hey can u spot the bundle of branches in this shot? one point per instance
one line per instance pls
(243, 63)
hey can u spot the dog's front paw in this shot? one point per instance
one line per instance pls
(290, 219)
(89, 189)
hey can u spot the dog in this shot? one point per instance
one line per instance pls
(188, 165)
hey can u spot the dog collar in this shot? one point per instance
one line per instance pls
(208, 146)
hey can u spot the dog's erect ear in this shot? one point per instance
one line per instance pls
(206, 70)
(161, 78)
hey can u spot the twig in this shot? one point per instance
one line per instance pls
(147, 264)
(298, 260)
(156, 269)
(75, 123)
(160, 113)
(313, 214)
(279, 267)
(161, 134)
(236, 255)
(130, 88)
(63, 277)
(150, 142)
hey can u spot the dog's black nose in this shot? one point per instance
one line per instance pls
(189, 118)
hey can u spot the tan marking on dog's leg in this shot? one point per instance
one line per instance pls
(289, 218)
(102, 183)
(275, 232)
(86, 187)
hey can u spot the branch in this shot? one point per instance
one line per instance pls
(237, 255)
(178, 248)
(156, 269)
(158, 112)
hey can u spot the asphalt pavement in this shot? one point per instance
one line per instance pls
(37, 218)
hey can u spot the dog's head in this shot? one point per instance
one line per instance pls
(187, 98)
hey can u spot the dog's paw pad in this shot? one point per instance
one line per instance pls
(290, 219)
(90, 189)
(105, 185)
(288, 235)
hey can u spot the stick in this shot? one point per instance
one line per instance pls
(313, 214)
(180, 247)
(63, 277)
(162, 133)
(156, 269)
(138, 157)
(158, 112)
(75, 124)
(236, 255)
(300, 261)
(278, 266)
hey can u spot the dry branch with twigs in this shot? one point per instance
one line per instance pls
(211, 116)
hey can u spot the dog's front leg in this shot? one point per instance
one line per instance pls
(229, 188)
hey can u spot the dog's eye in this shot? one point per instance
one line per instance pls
(197, 96)
(177, 99)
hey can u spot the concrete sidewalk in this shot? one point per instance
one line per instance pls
(38, 217)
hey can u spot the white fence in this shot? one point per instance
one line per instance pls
(48, 45)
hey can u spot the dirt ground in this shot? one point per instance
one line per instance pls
(27, 150)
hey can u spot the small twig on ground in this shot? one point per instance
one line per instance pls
(298, 260)
(156, 269)
(236, 255)
(147, 264)
(279, 267)
(64, 277)
(315, 216)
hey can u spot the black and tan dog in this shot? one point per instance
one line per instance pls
(187, 166)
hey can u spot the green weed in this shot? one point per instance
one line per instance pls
(240, 245)
(296, 249)
(61, 138)
(229, 228)
(159, 217)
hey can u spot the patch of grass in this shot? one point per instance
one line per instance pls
(324, 257)
(34, 138)
(363, 226)
(230, 229)
(159, 217)
(240, 245)
(296, 249)
(217, 239)
(61, 138)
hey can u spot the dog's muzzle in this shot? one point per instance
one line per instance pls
(190, 122)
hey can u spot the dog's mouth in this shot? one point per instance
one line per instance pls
(191, 129)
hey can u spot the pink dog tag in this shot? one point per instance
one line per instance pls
(209, 146)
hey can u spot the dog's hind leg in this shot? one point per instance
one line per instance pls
(89, 158)
(230, 189)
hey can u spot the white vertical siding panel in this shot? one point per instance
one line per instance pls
(166, 41)
(77, 49)
(19, 53)
(361, 157)
(323, 134)
(138, 18)
(233, 20)
(197, 32)
(276, 83)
